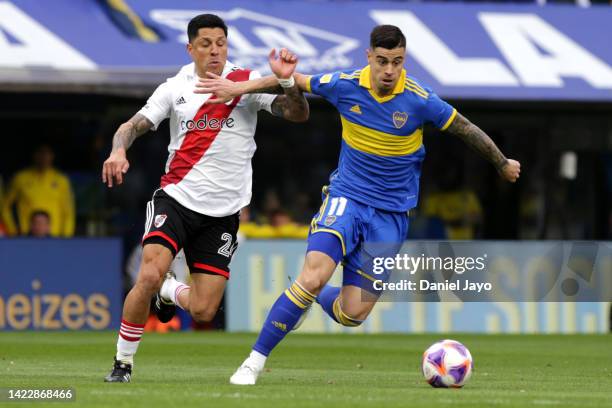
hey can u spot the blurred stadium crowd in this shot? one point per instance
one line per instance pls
(566, 193)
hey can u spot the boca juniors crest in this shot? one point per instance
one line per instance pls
(399, 119)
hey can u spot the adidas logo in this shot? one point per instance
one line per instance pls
(356, 109)
(180, 101)
(280, 325)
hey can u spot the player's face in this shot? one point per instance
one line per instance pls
(385, 68)
(209, 50)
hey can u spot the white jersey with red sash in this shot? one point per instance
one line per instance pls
(211, 145)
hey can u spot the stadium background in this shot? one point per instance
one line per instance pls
(70, 75)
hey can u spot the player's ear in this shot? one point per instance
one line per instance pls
(369, 54)
(189, 48)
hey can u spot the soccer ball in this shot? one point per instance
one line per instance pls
(447, 363)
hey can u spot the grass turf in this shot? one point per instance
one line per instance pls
(192, 369)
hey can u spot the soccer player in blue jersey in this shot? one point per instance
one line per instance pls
(365, 206)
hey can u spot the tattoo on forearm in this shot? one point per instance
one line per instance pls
(130, 130)
(292, 105)
(473, 136)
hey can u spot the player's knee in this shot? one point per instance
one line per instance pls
(150, 278)
(149, 282)
(314, 276)
(203, 314)
(313, 282)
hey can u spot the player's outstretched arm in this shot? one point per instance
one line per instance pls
(474, 137)
(291, 104)
(226, 90)
(117, 164)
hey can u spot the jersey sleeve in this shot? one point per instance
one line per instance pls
(158, 105)
(261, 101)
(438, 111)
(325, 85)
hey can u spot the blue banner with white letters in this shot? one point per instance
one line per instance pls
(262, 270)
(57, 284)
(462, 51)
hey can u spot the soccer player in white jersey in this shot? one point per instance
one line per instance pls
(207, 181)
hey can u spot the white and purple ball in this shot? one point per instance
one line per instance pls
(447, 363)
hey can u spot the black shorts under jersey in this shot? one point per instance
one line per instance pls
(209, 242)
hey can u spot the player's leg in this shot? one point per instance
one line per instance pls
(155, 262)
(285, 313)
(288, 309)
(326, 246)
(349, 305)
(201, 299)
(162, 239)
(208, 253)
(383, 234)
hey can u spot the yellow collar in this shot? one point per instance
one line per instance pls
(364, 80)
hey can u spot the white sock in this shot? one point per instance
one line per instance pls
(257, 359)
(170, 290)
(128, 341)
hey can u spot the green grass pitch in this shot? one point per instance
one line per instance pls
(192, 369)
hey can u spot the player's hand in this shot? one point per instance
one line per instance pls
(283, 66)
(222, 88)
(511, 170)
(115, 167)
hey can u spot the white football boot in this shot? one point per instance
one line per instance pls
(246, 374)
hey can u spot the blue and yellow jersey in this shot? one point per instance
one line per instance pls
(382, 137)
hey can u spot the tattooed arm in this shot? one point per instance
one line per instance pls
(478, 140)
(117, 164)
(292, 105)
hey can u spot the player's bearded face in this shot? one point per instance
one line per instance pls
(385, 68)
(209, 50)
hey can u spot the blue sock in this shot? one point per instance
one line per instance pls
(326, 299)
(284, 314)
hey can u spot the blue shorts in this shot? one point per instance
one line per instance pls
(362, 233)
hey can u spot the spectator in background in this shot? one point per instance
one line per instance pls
(456, 205)
(250, 229)
(286, 227)
(280, 226)
(40, 225)
(40, 187)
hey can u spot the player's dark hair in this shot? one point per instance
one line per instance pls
(204, 21)
(387, 36)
